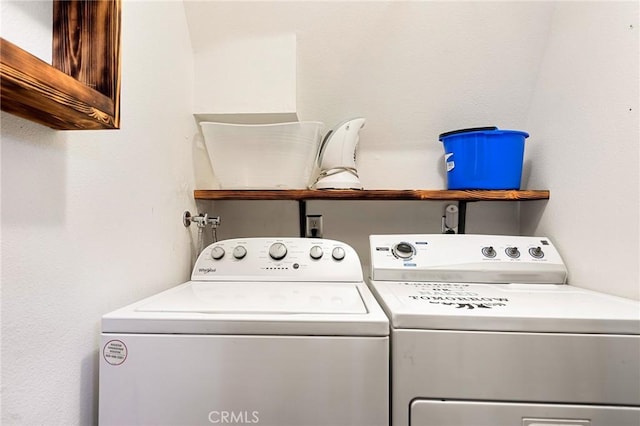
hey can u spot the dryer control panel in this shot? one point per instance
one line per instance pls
(278, 259)
(466, 258)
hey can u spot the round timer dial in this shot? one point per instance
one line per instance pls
(403, 251)
(277, 251)
(316, 252)
(217, 253)
(239, 252)
(338, 253)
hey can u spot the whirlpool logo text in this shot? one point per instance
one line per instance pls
(234, 417)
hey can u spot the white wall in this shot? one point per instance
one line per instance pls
(247, 75)
(585, 117)
(412, 69)
(28, 24)
(91, 221)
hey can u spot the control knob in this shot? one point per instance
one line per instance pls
(513, 252)
(277, 251)
(489, 251)
(239, 252)
(338, 253)
(217, 253)
(403, 250)
(536, 252)
(316, 252)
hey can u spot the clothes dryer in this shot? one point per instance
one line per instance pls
(269, 331)
(486, 332)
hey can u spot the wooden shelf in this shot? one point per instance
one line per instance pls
(371, 194)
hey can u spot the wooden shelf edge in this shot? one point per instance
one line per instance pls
(372, 194)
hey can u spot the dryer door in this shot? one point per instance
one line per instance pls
(478, 413)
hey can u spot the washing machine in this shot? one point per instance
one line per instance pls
(486, 332)
(269, 331)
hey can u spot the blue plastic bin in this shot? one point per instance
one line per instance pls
(484, 158)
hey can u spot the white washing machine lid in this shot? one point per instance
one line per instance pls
(309, 308)
(550, 308)
(259, 298)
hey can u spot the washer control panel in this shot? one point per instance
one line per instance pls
(465, 258)
(278, 259)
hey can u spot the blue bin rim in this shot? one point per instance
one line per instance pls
(481, 130)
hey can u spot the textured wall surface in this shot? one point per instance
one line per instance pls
(585, 114)
(412, 69)
(28, 24)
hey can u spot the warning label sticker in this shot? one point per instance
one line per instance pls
(115, 352)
